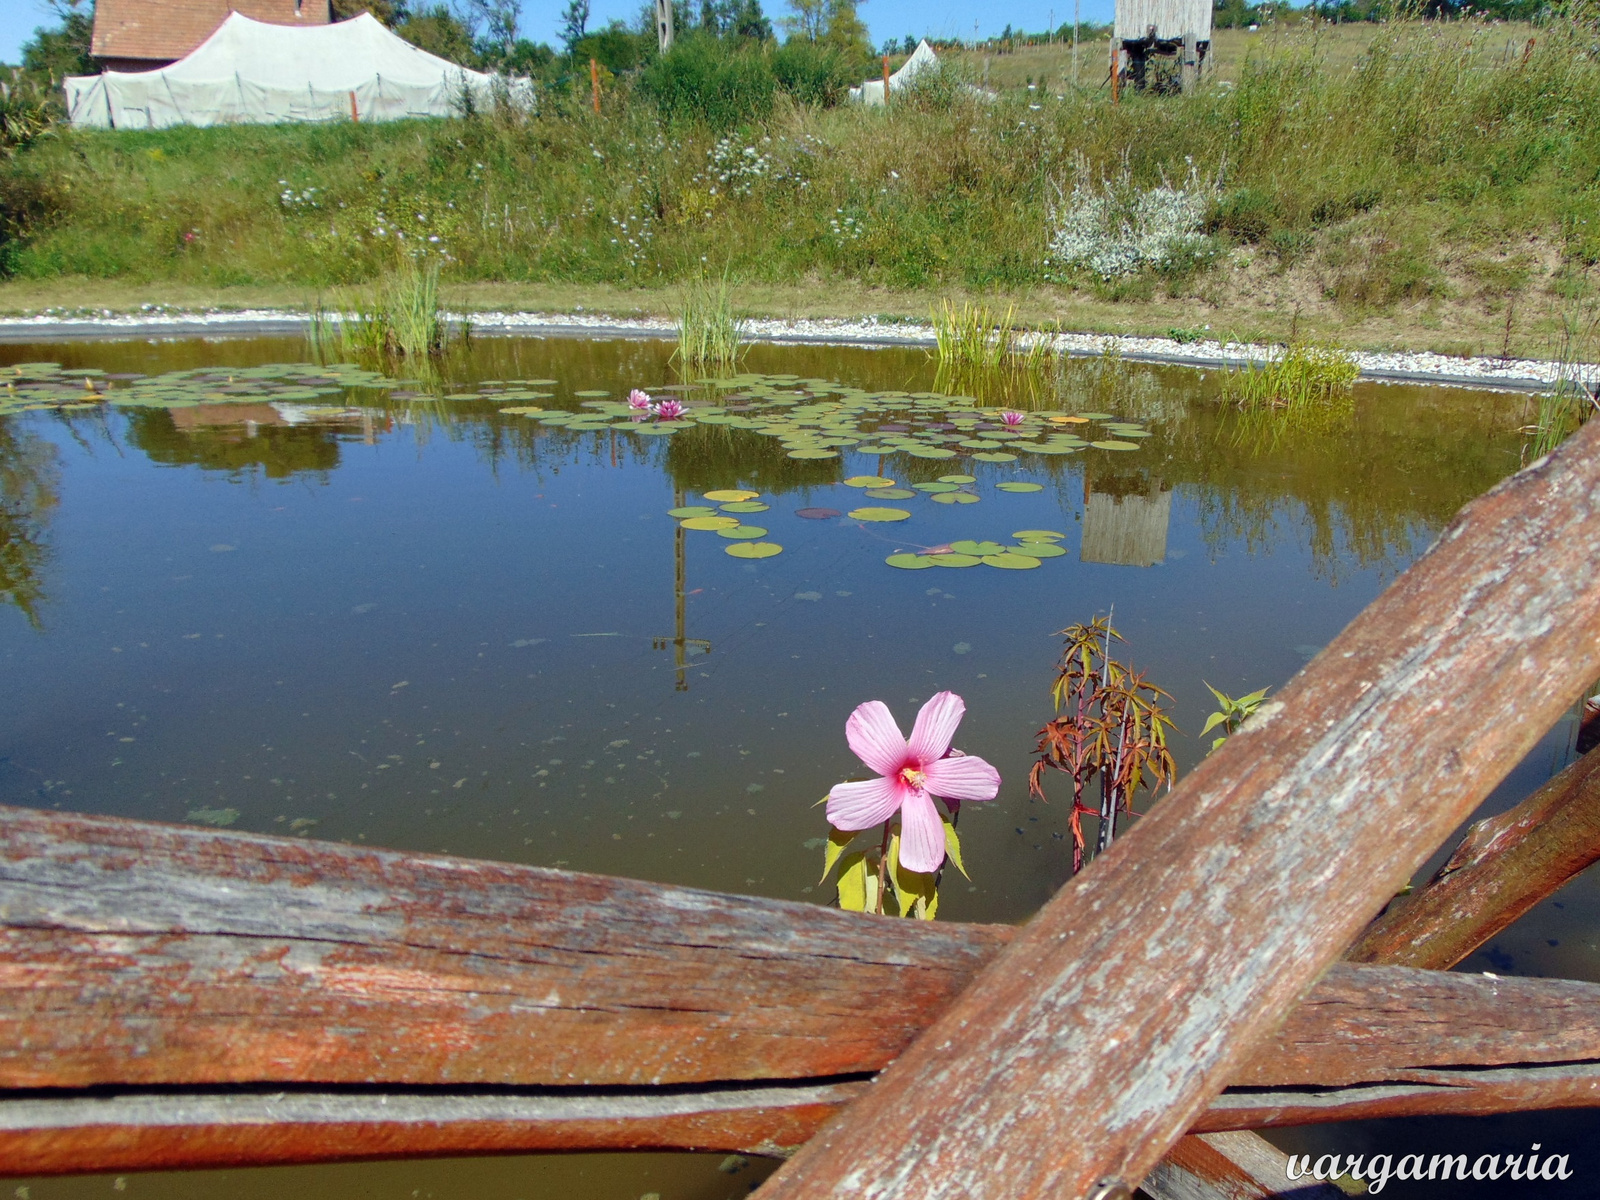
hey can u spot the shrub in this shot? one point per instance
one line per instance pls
(1116, 228)
(701, 79)
(812, 74)
(1249, 214)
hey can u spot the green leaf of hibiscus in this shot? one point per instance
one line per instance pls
(853, 882)
(952, 846)
(838, 839)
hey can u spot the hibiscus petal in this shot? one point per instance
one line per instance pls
(853, 806)
(921, 834)
(936, 725)
(875, 738)
(964, 778)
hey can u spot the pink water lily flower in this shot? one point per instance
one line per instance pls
(639, 401)
(1010, 419)
(669, 410)
(911, 774)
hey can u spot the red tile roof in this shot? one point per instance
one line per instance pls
(165, 30)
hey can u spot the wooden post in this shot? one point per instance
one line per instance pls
(1116, 1015)
(1188, 72)
(355, 114)
(594, 82)
(886, 80)
(1116, 70)
(664, 29)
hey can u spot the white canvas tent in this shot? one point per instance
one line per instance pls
(922, 59)
(252, 72)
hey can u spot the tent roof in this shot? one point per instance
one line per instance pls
(334, 57)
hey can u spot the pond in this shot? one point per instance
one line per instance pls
(459, 614)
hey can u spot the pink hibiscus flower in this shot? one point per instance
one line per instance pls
(669, 410)
(639, 401)
(911, 774)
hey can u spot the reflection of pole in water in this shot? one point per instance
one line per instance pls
(679, 643)
(1125, 525)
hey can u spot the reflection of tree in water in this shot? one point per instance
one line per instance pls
(30, 479)
(712, 456)
(278, 450)
(1367, 494)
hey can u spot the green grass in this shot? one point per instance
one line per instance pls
(1424, 171)
(709, 337)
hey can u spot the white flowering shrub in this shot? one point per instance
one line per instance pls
(1116, 229)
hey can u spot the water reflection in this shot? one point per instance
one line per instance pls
(1125, 520)
(30, 483)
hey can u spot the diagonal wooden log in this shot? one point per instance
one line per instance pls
(258, 999)
(1230, 1166)
(1114, 1018)
(1503, 867)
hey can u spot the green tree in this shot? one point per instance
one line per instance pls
(387, 11)
(574, 22)
(845, 31)
(806, 19)
(53, 54)
(438, 30)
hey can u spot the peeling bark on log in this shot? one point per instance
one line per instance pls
(1101, 1034)
(1504, 866)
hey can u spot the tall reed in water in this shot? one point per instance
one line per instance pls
(709, 334)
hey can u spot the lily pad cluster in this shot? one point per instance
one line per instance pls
(746, 538)
(819, 418)
(29, 386)
(1027, 551)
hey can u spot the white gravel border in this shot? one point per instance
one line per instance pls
(1519, 374)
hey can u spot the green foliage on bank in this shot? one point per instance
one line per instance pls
(737, 154)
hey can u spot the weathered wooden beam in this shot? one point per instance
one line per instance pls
(1503, 867)
(1113, 1019)
(1230, 1166)
(397, 1000)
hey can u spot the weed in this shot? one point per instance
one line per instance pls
(709, 334)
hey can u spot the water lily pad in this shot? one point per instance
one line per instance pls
(526, 410)
(711, 523)
(730, 495)
(1017, 485)
(691, 510)
(879, 514)
(967, 546)
(593, 392)
(996, 456)
(743, 532)
(875, 450)
(1038, 535)
(1115, 445)
(890, 493)
(754, 549)
(745, 506)
(647, 430)
(953, 498)
(868, 481)
(937, 487)
(911, 562)
(819, 453)
(817, 514)
(1037, 549)
(955, 560)
(1065, 420)
(931, 452)
(1010, 562)
(1098, 416)
(958, 479)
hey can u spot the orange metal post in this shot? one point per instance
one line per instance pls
(886, 79)
(594, 80)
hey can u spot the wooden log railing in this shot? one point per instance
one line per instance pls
(179, 997)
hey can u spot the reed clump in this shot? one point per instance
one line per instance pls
(710, 336)
(402, 317)
(1304, 374)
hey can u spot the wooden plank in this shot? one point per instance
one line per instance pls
(1504, 866)
(51, 1135)
(139, 954)
(1230, 1166)
(1098, 1037)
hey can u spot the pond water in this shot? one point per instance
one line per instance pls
(458, 616)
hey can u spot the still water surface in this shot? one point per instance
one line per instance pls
(317, 607)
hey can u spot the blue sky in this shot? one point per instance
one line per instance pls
(885, 18)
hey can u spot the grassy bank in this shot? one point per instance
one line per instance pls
(1399, 185)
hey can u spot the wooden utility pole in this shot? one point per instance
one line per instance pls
(594, 82)
(664, 24)
(886, 80)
